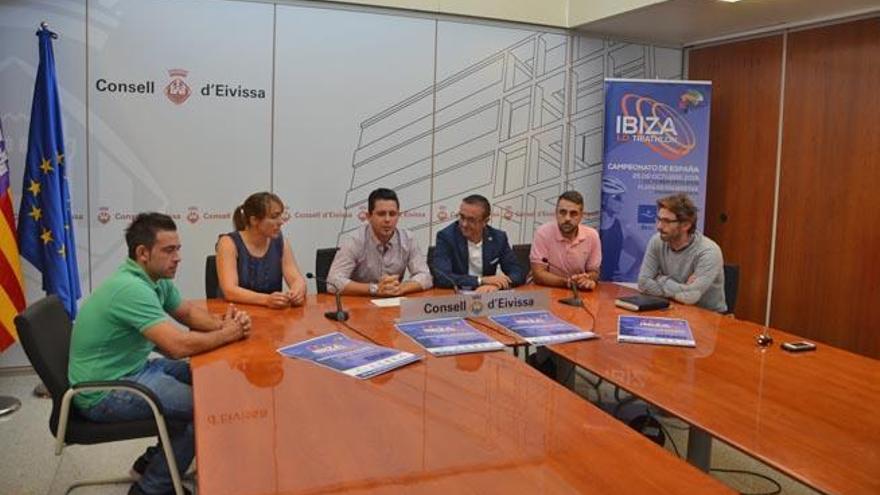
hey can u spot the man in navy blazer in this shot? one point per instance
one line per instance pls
(469, 252)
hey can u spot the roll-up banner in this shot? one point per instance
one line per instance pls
(656, 144)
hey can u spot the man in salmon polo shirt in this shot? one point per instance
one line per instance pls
(566, 252)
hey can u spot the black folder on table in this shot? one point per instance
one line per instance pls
(641, 302)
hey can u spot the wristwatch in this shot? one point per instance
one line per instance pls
(479, 280)
(374, 289)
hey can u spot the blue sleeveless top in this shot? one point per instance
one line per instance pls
(259, 274)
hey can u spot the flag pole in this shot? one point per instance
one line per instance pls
(45, 27)
(40, 389)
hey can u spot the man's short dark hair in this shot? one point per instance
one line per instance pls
(683, 208)
(143, 229)
(379, 194)
(477, 199)
(573, 196)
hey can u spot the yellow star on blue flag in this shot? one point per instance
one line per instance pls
(46, 166)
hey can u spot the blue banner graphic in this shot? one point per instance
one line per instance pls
(656, 144)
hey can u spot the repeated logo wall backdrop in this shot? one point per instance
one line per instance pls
(180, 121)
(175, 112)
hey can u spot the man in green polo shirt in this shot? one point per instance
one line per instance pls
(125, 319)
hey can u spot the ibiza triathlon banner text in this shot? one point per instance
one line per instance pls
(656, 144)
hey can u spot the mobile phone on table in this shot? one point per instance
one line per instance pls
(799, 346)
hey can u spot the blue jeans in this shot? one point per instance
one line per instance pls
(171, 382)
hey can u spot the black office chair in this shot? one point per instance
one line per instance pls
(323, 260)
(212, 282)
(731, 286)
(44, 330)
(430, 260)
(522, 252)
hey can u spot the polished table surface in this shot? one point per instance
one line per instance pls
(475, 423)
(811, 415)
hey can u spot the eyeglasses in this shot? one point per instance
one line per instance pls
(470, 220)
(667, 221)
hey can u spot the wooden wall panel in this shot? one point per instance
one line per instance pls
(746, 78)
(827, 277)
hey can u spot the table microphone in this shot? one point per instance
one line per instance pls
(449, 279)
(340, 314)
(457, 290)
(764, 339)
(575, 299)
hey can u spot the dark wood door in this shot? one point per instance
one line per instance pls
(746, 78)
(827, 277)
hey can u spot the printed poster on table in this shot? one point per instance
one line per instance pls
(448, 336)
(351, 357)
(654, 330)
(541, 327)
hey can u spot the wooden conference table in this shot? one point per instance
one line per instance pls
(811, 415)
(475, 423)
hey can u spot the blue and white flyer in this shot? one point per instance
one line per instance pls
(541, 327)
(654, 330)
(448, 336)
(351, 357)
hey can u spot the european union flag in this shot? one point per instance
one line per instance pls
(45, 223)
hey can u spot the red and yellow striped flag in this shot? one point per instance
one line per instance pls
(11, 285)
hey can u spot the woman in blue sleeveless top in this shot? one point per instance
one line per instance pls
(253, 260)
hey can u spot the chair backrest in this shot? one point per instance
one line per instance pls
(731, 286)
(323, 260)
(430, 258)
(522, 252)
(212, 282)
(44, 330)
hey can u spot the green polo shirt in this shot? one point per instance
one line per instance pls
(107, 341)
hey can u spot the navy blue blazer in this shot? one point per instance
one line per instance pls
(451, 258)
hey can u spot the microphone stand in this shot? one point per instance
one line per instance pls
(575, 299)
(469, 319)
(449, 279)
(764, 339)
(340, 314)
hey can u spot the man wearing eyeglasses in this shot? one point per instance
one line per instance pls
(469, 251)
(681, 263)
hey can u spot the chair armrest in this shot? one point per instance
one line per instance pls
(126, 385)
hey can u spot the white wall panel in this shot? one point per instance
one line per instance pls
(501, 100)
(352, 113)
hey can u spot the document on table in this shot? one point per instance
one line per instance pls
(448, 336)
(541, 327)
(351, 357)
(390, 302)
(654, 330)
